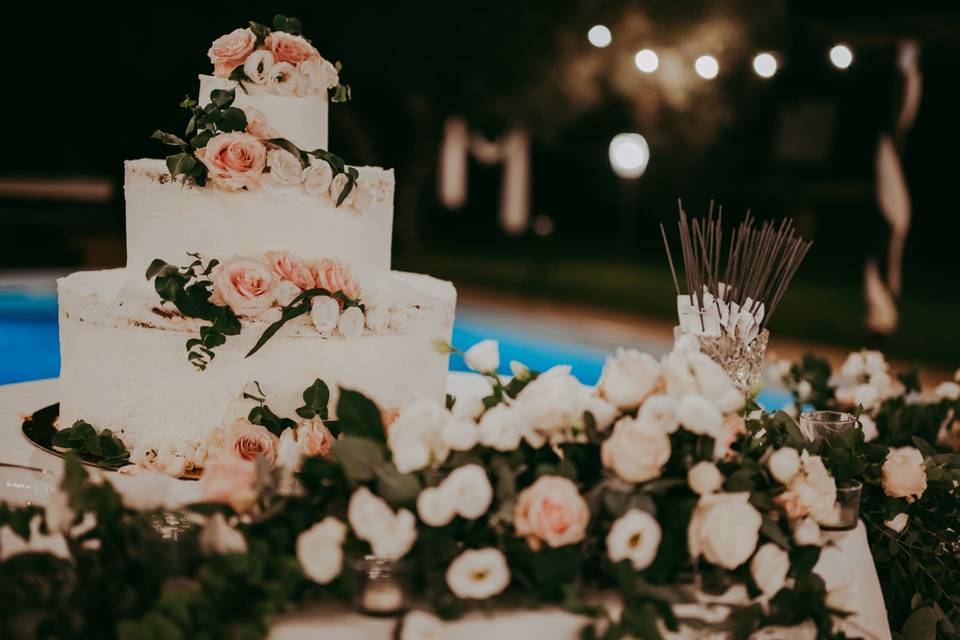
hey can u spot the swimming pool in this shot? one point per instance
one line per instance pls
(29, 346)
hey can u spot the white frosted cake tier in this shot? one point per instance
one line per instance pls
(152, 395)
(167, 219)
(300, 119)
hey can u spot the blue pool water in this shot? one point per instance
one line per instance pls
(29, 348)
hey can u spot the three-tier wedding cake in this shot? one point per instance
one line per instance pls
(257, 262)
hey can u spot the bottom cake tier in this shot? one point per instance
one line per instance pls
(124, 363)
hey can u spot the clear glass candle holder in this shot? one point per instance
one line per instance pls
(815, 425)
(382, 586)
(846, 510)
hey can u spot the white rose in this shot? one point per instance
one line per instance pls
(804, 389)
(420, 625)
(218, 537)
(869, 425)
(947, 391)
(435, 506)
(283, 79)
(483, 357)
(864, 395)
(629, 378)
(289, 455)
(325, 313)
(164, 459)
(410, 454)
(285, 168)
(806, 532)
(470, 490)
(337, 185)
(317, 178)
(391, 535)
(603, 412)
(874, 362)
(815, 488)
(725, 529)
(635, 536)
(478, 574)
(769, 568)
(552, 403)
(903, 474)
(286, 292)
(416, 437)
(854, 367)
(257, 66)
(468, 406)
(378, 318)
(704, 478)
(460, 434)
(698, 415)
(501, 428)
(898, 523)
(320, 550)
(784, 465)
(351, 322)
(522, 371)
(660, 411)
(714, 384)
(317, 76)
(635, 452)
(364, 196)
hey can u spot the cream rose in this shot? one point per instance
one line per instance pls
(317, 76)
(704, 478)
(698, 415)
(283, 79)
(470, 490)
(420, 625)
(377, 318)
(947, 391)
(435, 506)
(459, 433)
(250, 441)
(317, 178)
(806, 532)
(334, 276)
(483, 357)
(390, 535)
(659, 411)
(478, 574)
(769, 568)
(351, 322)
(416, 437)
(246, 285)
(290, 268)
(635, 452)
(903, 474)
(234, 160)
(364, 196)
(551, 510)
(325, 314)
(724, 529)
(230, 480)
(218, 537)
(501, 428)
(784, 464)
(635, 536)
(814, 488)
(320, 550)
(257, 124)
(629, 378)
(285, 168)
(229, 51)
(257, 66)
(290, 48)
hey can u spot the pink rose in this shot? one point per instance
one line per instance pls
(257, 124)
(314, 439)
(250, 441)
(551, 510)
(334, 276)
(234, 160)
(230, 480)
(291, 268)
(287, 47)
(229, 51)
(246, 285)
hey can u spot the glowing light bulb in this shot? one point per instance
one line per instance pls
(765, 65)
(707, 67)
(646, 60)
(629, 155)
(841, 56)
(599, 36)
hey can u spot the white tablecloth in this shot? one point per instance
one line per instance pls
(845, 563)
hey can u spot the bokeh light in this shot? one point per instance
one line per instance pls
(599, 36)
(765, 65)
(646, 60)
(707, 67)
(629, 155)
(841, 56)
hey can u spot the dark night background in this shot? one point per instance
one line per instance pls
(95, 82)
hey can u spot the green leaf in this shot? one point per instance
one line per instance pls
(232, 119)
(263, 416)
(921, 625)
(924, 447)
(395, 487)
(316, 399)
(261, 31)
(289, 147)
(223, 98)
(288, 314)
(200, 140)
(358, 416)
(359, 457)
(283, 23)
(169, 139)
(341, 93)
(181, 164)
(103, 448)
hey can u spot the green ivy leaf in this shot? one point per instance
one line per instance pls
(358, 416)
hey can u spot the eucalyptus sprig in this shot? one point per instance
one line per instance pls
(189, 289)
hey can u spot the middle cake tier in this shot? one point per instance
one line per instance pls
(167, 219)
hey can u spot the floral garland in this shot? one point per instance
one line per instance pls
(911, 516)
(648, 487)
(276, 287)
(280, 60)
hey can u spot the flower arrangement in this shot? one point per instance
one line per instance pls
(543, 491)
(276, 288)
(278, 60)
(905, 452)
(235, 149)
